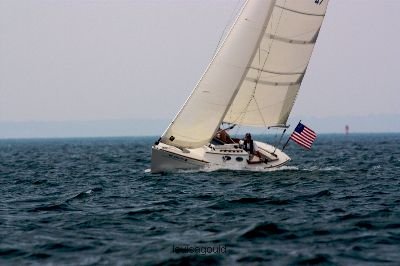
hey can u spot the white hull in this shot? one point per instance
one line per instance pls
(166, 158)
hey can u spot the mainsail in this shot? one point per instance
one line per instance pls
(254, 77)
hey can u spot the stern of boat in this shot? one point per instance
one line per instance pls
(274, 156)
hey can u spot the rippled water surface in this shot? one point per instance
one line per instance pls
(90, 202)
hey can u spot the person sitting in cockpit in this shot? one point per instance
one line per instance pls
(222, 137)
(248, 144)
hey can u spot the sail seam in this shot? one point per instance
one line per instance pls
(299, 12)
(263, 107)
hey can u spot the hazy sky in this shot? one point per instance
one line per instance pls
(94, 60)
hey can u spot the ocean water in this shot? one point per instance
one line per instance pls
(92, 202)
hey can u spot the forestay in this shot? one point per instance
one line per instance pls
(203, 112)
(268, 92)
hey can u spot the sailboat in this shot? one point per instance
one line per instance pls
(252, 80)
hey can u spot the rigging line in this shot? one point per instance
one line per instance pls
(240, 118)
(234, 11)
(262, 117)
(265, 61)
(276, 137)
(268, 51)
(226, 26)
(279, 142)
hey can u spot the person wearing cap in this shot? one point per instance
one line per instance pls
(248, 144)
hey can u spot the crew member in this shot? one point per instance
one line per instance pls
(248, 144)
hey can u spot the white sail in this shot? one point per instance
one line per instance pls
(255, 76)
(203, 112)
(268, 92)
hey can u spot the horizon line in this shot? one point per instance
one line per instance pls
(157, 136)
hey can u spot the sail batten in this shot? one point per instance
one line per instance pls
(288, 40)
(266, 82)
(275, 72)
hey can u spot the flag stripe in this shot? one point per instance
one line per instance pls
(303, 136)
(304, 146)
(309, 133)
(299, 138)
(300, 141)
(301, 144)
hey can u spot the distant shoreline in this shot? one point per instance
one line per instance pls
(155, 137)
(155, 127)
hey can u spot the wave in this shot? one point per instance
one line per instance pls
(11, 252)
(145, 211)
(285, 168)
(319, 259)
(52, 207)
(323, 169)
(64, 205)
(321, 194)
(193, 260)
(84, 194)
(210, 169)
(263, 230)
(289, 168)
(272, 201)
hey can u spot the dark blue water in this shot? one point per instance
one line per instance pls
(90, 202)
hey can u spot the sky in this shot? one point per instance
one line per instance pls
(79, 60)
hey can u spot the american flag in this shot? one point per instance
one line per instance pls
(303, 136)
